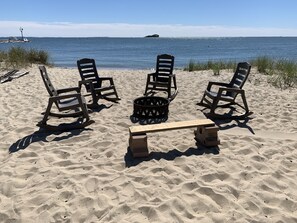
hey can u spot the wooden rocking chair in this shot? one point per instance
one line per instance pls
(163, 78)
(227, 92)
(94, 84)
(64, 101)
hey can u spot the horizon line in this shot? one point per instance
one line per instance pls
(160, 37)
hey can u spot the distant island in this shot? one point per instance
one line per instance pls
(152, 36)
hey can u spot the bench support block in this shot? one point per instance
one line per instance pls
(138, 145)
(207, 135)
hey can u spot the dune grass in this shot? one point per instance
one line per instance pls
(283, 73)
(215, 66)
(18, 57)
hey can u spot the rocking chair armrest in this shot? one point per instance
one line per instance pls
(84, 82)
(87, 82)
(151, 74)
(211, 83)
(65, 90)
(60, 97)
(110, 79)
(235, 90)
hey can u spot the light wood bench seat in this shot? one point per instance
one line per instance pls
(206, 134)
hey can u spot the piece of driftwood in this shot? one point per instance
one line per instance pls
(13, 74)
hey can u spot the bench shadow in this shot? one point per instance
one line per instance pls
(130, 161)
(41, 136)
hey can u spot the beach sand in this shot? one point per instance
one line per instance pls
(89, 176)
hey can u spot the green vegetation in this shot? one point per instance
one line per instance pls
(283, 73)
(215, 66)
(18, 57)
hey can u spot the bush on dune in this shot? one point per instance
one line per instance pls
(283, 73)
(18, 57)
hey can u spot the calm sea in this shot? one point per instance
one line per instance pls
(136, 53)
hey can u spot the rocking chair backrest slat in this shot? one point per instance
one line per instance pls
(47, 82)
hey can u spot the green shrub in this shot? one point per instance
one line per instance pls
(18, 57)
(283, 72)
(264, 65)
(3, 56)
(40, 56)
(215, 66)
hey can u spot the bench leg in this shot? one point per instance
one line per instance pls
(207, 135)
(138, 145)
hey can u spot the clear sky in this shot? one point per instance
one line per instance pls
(137, 18)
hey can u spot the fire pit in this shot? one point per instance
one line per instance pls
(150, 107)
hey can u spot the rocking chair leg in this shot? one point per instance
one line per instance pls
(146, 87)
(47, 112)
(214, 106)
(83, 108)
(245, 102)
(169, 90)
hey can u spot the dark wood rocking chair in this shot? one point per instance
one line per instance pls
(94, 84)
(227, 92)
(163, 78)
(64, 101)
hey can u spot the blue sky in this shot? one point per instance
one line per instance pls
(136, 18)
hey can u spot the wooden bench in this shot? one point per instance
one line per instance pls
(206, 134)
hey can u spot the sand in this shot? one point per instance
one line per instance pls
(88, 175)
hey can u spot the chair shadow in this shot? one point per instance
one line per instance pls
(41, 135)
(147, 121)
(97, 108)
(130, 161)
(241, 123)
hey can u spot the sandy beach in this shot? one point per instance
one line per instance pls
(88, 175)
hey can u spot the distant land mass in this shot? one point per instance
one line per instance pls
(154, 36)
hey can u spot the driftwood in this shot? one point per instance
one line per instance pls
(12, 75)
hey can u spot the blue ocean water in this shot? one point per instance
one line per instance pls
(140, 53)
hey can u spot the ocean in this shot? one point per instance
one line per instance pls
(140, 53)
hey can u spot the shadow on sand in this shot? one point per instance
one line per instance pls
(41, 136)
(170, 155)
(228, 121)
